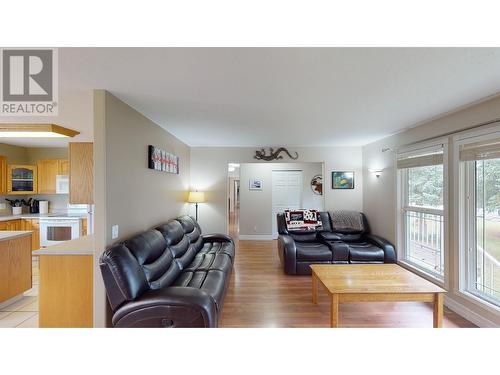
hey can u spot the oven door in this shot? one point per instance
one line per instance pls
(55, 231)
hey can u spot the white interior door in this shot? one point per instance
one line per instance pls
(287, 193)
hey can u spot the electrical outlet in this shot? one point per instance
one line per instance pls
(114, 232)
(3, 206)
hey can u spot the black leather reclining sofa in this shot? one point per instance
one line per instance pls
(299, 249)
(170, 276)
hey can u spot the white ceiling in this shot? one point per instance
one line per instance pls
(286, 96)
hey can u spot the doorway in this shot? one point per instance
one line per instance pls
(233, 203)
(287, 191)
(262, 190)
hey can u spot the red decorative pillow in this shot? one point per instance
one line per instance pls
(302, 219)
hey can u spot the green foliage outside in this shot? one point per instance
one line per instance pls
(425, 186)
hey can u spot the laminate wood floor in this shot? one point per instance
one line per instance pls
(261, 295)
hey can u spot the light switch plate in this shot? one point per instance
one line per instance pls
(3, 206)
(114, 232)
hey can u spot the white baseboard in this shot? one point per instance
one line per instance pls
(257, 237)
(468, 313)
(10, 301)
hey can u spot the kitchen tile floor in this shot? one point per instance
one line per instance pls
(23, 313)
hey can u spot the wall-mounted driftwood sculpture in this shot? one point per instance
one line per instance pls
(273, 155)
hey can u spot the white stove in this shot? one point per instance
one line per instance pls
(59, 227)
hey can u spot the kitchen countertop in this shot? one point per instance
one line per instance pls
(11, 234)
(38, 216)
(79, 246)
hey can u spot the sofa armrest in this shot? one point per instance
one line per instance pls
(216, 237)
(389, 251)
(168, 307)
(287, 253)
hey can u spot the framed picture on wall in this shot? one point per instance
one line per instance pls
(342, 180)
(255, 184)
(161, 160)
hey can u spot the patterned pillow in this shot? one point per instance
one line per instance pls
(302, 219)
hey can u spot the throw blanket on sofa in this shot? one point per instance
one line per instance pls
(349, 221)
(302, 219)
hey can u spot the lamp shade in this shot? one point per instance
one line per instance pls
(196, 197)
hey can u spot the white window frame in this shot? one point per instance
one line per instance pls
(464, 191)
(401, 204)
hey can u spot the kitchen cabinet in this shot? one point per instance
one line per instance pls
(3, 175)
(63, 167)
(11, 225)
(33, 225)
(67, 284)
(48, 169)
(84, 227)
(22, 179)
(15, 265)
(81, 173)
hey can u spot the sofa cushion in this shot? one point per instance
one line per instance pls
(211, 261)
(313, 251)
(177, 242)
(213, 282)
(191, 228)
(218, 247)
(365, 253)
(151, 251)
(303, 235)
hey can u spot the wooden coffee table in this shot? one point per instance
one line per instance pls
(374, 283)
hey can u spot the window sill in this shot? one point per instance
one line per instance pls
(478, 301)
(428, 276)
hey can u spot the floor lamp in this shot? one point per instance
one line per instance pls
(196, 197)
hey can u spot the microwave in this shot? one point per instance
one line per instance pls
(62, 184)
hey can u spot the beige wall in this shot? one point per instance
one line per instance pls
(127, 193)
(37, 153)
(379, 195)
(256, 205)
(14, 154)
(209, 174)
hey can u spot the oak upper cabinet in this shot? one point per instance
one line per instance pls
(22, 179)
(48, 170)
(47, 174)
(63, 166)
(81, 173)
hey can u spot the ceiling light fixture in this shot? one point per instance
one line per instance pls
(35, 131)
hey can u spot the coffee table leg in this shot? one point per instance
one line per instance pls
(334, 317)
(438, 310)
(314, 288)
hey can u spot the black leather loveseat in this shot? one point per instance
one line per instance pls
(170, 276)
(327, 244)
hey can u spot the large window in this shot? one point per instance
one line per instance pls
(421, 224)
(480, 165)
